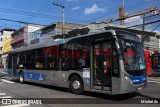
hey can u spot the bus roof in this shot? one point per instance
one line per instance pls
(53, 42)
(36, 46)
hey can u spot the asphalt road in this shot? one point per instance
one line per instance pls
(61, 96)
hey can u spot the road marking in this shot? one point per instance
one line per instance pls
(6, 97)
(7, 81)
(17, 105)
(2, 93)
(157, 79)
(154, 81)
(4, 72)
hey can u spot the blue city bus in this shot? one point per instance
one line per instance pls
(110, 62)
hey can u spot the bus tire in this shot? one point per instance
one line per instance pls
(76, 85)
(21, 78)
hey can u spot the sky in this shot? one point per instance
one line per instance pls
(75, 11)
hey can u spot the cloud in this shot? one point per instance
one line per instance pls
(133, 21)
(75, 8)
(94, 9)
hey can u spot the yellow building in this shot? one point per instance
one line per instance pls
(6, 49)
(6, 46)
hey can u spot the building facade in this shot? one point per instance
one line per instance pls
(150, 41)
(1, 42)
(148, 38)
(5, 47)
(20, 37)
(47, 33)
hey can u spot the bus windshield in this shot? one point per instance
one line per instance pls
(133, 57)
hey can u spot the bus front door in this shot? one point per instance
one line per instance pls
(101, 72)
(14, 65)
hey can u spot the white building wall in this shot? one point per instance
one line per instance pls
(33, 28)
(159, 45)
(6, 35)
(1, 43)
(153, 43)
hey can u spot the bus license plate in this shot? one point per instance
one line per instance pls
(140, 88)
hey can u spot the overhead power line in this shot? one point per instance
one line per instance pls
(20, 21)
(39, 15)
(145, 23)
(155, 28)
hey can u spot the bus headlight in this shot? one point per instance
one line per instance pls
(127, 79)
(144, 79)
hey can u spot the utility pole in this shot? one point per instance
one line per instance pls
(154, 13)
(62, 7)
(143, 27)
(123, 3)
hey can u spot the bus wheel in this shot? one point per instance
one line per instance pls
(76, 85)
(21, 78)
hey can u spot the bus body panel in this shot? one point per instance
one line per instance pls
(127, 82)
(49, 77)
(122, 83)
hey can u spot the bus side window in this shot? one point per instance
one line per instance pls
(39, 60)
(32, 62)
(66, 55)
(51, 62)
(74, 56)
(80, 55)
(115, 62)
(27, 61)
(21, 60)
(51, 55)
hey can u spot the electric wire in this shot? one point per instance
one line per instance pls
(38, 15)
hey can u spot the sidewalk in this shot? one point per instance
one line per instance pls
(3, 73)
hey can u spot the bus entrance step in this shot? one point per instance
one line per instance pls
(101, 91)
